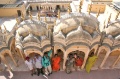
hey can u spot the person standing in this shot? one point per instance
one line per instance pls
(70, 64)
(29, 64)
(56, 62)
(90, 62)
(46, 62)
(78, 62)
(38, 63)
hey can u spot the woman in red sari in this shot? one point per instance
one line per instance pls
(56, 63)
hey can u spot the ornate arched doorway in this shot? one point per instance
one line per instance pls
(76, 54)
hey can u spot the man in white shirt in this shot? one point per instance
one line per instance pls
(29, 63)
(38, 65)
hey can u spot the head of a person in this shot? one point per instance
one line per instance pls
(75, 55)
(37, 56)
(55, 55)
(70, 56)
(52, 47)
(27, 58)
(91, 54)
(46, 54)
(78, 57)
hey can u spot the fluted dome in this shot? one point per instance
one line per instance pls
(60, 35)
(72, 21)
(36, 27)
(113, 28)
(30, 38)
(79, 33)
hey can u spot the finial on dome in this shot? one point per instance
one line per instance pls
(80, 24)
(5, 29)
(45, 18)
(29, 30)
(58, 14)
(55, 22)
(90, 6)
(30, 15)
(98, 13)
(117, 15)
(38, 16)
(69, 9)
(22, 16)
(80, 5)
(80, 28)
(109, 18)
(104, 23)
(17, 21)
(18, 33)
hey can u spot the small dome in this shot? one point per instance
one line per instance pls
(36, 27)
(70, 22)
(30, 38)
(60, 35)
(113, 29)
(95, 34)
(110, 37)
(79, 33)
(117, 38)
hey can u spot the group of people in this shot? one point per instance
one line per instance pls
(45, 65)
(73, 61)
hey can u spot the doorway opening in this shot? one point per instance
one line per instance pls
(37, 8)
(30, 8)
(19, 12)
(77, 56)
(58, 7)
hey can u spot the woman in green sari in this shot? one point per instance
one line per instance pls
(90, 62)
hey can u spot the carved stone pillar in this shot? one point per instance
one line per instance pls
(116, 61)
(99, 50)
(104, 60)
(65, 59)
(12, 58)
(5, 62)
(20, 52)
(85, 59)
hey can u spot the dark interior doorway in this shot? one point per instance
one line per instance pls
(30, 8)
(19, 12)
(37, 7)
(57, 7)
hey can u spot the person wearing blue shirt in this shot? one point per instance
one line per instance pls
(46, 62)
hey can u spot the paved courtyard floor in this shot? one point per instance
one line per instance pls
(94, 74)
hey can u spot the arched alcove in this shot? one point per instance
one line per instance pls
(101, 56)
(113, 59)
(79, 53)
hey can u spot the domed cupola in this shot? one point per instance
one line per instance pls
(30, 38)
(79, 34)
